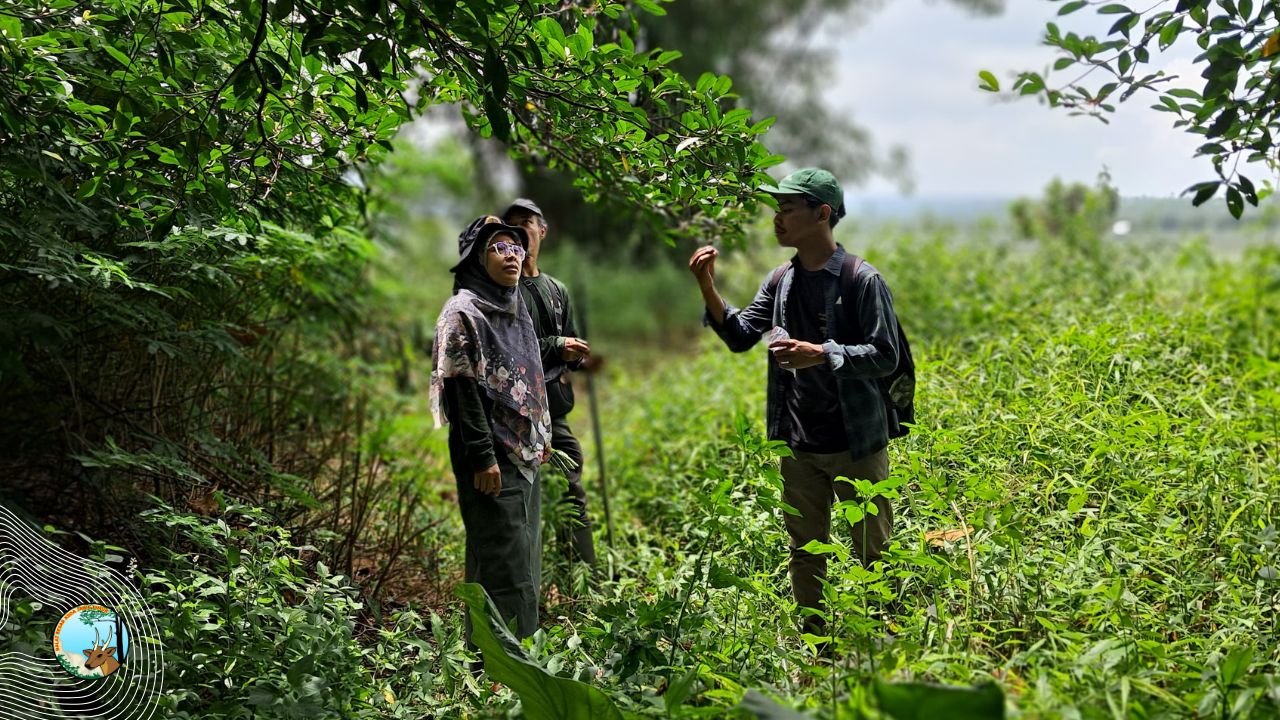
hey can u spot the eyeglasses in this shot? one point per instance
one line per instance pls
(506, 249)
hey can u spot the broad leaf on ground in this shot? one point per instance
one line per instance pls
(543, 695)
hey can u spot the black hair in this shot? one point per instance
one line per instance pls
(836, 214)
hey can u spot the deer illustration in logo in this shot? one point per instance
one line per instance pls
(100, 655)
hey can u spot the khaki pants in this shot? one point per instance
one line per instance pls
(809, 486)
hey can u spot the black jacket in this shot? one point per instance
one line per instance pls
(863, 347)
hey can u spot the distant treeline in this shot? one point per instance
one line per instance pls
(1145, 214)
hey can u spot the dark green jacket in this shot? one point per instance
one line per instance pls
(862, 347)
(553, 321)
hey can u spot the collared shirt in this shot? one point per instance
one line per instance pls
(861, 346)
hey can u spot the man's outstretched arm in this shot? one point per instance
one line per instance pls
(739, 329)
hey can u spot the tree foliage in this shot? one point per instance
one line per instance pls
(782, 59)
(91, 617)
(1070, 217)
(183, 237)
(1237, 109)
(147, 114)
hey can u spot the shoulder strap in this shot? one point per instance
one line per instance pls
(536, 294)
(561, 291)
(848, 274)
(776, 277)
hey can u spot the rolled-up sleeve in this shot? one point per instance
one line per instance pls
(743, 328)
(875, 318)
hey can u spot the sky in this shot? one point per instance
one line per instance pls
(909, 75)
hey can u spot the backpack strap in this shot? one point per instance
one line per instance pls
(561, 292)
(776, 277)
(538, 300)
(848, 275)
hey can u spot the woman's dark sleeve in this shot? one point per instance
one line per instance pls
(468, 416)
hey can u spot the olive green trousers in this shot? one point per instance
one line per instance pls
(809, 485)
(504, 543)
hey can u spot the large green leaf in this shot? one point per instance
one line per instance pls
(1235, 665)
(543, 695)
(922, 701)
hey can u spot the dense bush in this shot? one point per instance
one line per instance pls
(254, 627)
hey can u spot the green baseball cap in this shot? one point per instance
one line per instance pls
(815, 182)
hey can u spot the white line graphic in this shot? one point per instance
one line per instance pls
(33, 683)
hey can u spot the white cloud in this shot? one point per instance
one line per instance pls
(910, 75)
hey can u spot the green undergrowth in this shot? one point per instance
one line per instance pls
(1084, 517)
(1100, 439)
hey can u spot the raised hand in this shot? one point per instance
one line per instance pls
(703, 265)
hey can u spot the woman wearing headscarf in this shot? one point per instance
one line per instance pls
(487, 385)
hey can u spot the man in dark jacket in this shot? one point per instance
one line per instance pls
(562, 351)
(824, 360)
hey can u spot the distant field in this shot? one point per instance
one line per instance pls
(1163, 220)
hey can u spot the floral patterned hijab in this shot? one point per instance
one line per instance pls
(485, 333)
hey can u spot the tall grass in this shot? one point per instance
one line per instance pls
(1085, 515)
(1101, 438)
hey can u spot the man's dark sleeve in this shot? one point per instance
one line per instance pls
(551, 348)
(467, 414)
(742, 328)
(878, 355)
(570, 328)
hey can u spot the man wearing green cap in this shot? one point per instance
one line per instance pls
(824, 361)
